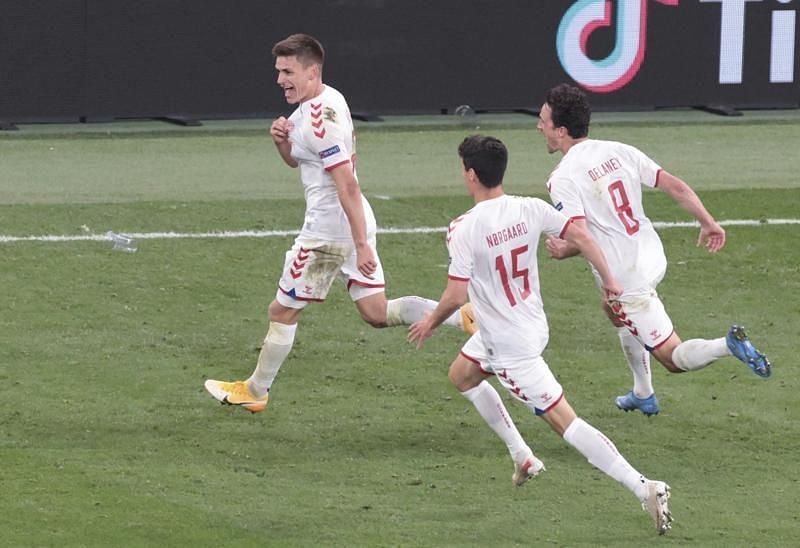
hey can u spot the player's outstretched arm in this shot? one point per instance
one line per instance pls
(712, 235)
(453, 297)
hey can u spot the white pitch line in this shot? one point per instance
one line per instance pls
(276, 233)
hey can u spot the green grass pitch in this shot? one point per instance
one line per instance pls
(107, 437)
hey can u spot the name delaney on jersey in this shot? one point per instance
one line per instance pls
(506, 234)
(609, 166)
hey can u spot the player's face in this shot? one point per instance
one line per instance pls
(299, 83)
(552, 134)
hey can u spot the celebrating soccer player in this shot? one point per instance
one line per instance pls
(598, 184)
(492, 251)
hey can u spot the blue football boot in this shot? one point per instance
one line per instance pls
(741, 347)
(629, 402)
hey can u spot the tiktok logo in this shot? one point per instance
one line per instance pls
(731, 42)
(616, 70)
(622, 64)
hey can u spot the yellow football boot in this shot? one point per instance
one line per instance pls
(468, 321)
(236, 393)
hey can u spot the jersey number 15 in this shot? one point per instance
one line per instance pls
(516, 272)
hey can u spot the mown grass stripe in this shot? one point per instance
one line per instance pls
(277, 233)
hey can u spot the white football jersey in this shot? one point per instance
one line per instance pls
(323, 138)
(601, 182)
(493, 246)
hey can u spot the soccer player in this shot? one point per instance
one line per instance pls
(492, 250)
(598, 184)
(337, 239)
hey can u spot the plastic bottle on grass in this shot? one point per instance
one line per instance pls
(122, 242)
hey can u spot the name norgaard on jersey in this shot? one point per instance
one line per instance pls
(604, 169)
(514, 231)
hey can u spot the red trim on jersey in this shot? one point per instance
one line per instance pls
(569, 222)
(334, 166)
(351, 281)
(662, 342)
(549, 407)
(452, 226)
(457, 278)
(296, 298)
(455, 222)
(657, 174)
(476, 362)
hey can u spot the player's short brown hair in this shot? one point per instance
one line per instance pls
(488, 156)
(306, 48)
(570, 109)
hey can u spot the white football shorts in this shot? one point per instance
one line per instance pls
(530, 380)
(311, 266)
(644, 315)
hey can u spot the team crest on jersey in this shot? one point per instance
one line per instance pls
(330, 151)
(329, 114)
(559, 206)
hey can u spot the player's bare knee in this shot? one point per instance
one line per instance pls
(560, 416)
(274, 309)
(373, 315)
(465, 375)
(669, 365)
(372, 309)
(460, 380)
(282, 314)
(454, 376)
(664, 354)
(375, 320)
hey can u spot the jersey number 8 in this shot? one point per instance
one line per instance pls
(623, 207)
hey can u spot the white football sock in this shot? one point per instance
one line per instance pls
(695, 354)
(407, 310)
(277, 344)
(638, 359)
(490, 406)
(602, 453)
